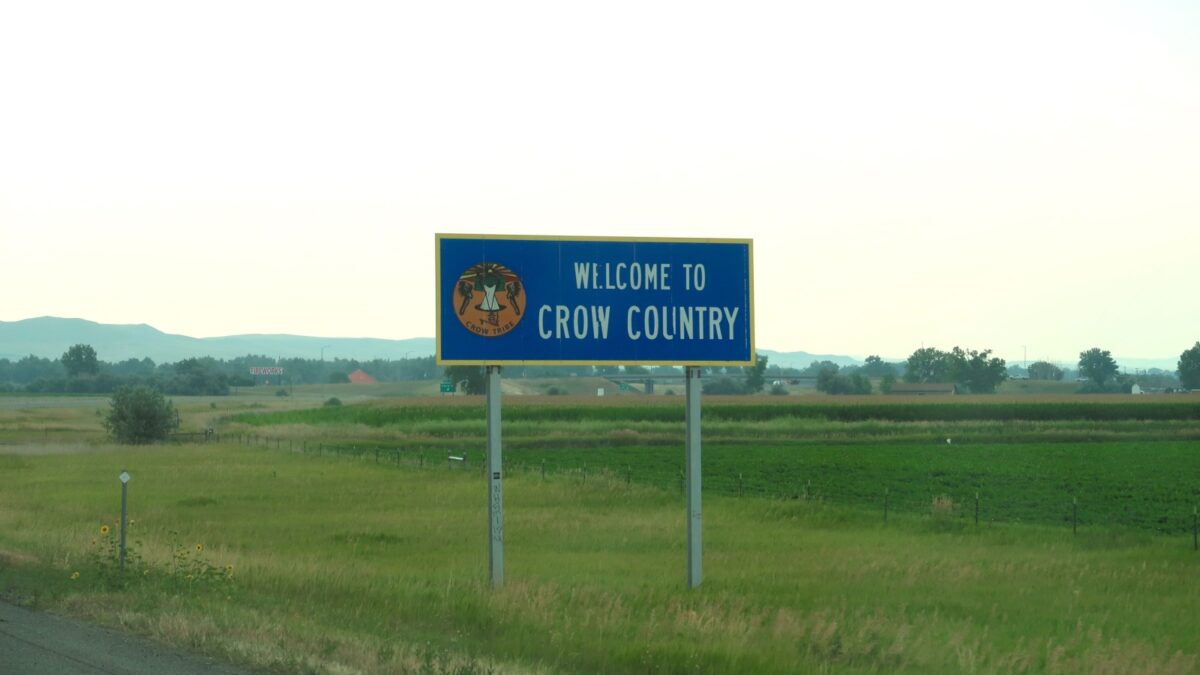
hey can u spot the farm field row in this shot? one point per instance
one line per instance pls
(765, 408)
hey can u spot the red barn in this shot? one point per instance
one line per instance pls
(359, 377)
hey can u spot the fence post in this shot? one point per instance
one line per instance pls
(741, 486)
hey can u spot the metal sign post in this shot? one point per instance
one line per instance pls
(495, 489)
(695, 565)
(125, 477)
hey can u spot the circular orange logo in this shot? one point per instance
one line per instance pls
(489, 299)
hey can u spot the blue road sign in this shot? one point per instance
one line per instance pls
(571, 300)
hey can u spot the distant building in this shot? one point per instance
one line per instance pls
(359, 377)
(924, 389)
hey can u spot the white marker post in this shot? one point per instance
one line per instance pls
(495, 489)
(125, 478)
(695, 563)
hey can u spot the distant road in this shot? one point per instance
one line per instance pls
(36, 643)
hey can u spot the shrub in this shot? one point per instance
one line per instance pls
(333, 401)
(778, 390)
(830, 381)
(554, 391)
(723, 386)
(885, 385)
(140, 414)
(281, 392)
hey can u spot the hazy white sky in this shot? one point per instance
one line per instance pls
(990, 175)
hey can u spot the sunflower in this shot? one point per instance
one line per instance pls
(103, 529)
(199, 548)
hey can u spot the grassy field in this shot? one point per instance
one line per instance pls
(336, 564)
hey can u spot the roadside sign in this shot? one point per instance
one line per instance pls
(447, 387)
(125, 477)
(512, 300)
(507, 300)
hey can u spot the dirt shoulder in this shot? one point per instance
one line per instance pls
(37, 643)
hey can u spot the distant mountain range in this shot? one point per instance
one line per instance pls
(801, 360)
(50, 336)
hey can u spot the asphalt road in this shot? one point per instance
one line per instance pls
(36, 643)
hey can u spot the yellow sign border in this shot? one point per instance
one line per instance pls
(437, 262)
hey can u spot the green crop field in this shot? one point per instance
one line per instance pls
(1115, 461)
(338, 540)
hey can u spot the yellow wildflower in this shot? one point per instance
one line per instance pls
(103, 529)
(199, 548)
(74, 576)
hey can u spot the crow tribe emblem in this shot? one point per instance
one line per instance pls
(481, 309)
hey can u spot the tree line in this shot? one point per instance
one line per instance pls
(80, 370)
(978, 372)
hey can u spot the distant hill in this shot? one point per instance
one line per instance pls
(802, 360)
(49, 337)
